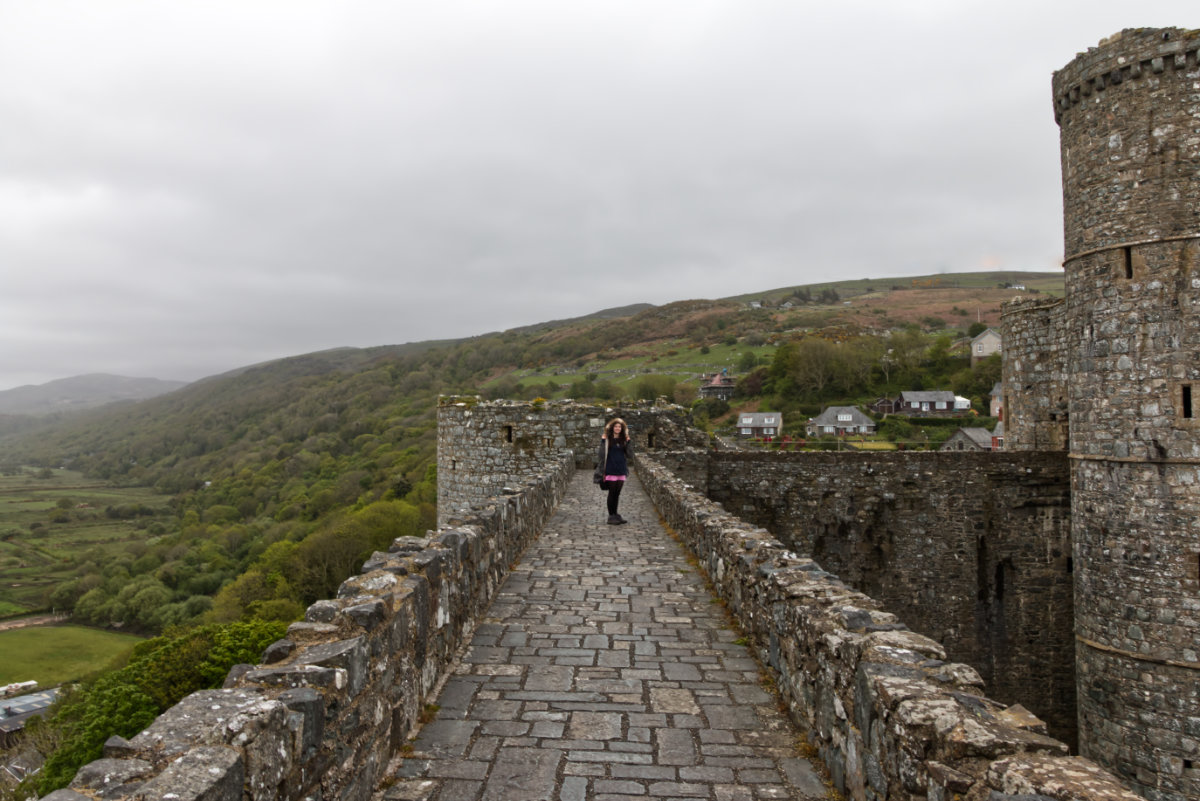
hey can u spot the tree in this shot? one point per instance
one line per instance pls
(650, 387)
(906, 352)
(805, 369)
(975, 329)
(860, 358)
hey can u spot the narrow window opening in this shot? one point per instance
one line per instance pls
(1070, 564)
(508, 433)
(453, 464)
(1186, 406)
(1127, 253)
(650, 440)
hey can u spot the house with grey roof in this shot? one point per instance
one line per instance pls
(14, 712)
(932, 403)
(968, 439)
(759, 424)
(839, 421)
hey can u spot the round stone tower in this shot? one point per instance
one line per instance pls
(1129, 113)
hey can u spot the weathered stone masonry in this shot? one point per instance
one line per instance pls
(323, 715)
(970, 549)
(890, 717)
(485, 447)
(1126, 340)
(325, 712)
(1035, 378)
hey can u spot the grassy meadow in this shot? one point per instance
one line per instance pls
(51, 522)
(52, 655)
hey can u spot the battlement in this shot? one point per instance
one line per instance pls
(1129, 117)
(1130, 55)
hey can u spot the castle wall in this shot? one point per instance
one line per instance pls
(890, 717)
(1129, 113)
(970, 549)
(325, 712)
(484, 448)
(1034, 375)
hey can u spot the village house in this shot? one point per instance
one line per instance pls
(968, 439)
(885, 406)
(15, 712)
(839, 421)
(719, 385)
(932, 403)
(759, 424)
(984, 345)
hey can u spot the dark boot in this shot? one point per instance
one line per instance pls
(616, 520)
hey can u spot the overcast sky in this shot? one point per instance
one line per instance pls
(188, 187)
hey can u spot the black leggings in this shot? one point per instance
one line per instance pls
(614, 495)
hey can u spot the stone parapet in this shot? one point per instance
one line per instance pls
(888, 714)
(486, 446)
(970, 549)
(331, 703)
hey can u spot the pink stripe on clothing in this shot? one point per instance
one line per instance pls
(614, 478)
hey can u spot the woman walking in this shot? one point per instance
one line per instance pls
(612, 464)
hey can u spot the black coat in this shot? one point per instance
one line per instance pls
(601, 458)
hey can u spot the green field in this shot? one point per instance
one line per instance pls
(52, 655)
(52, 523)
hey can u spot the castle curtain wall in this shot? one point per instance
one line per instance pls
(970, 549)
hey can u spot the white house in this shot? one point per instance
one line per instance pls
(985, 344)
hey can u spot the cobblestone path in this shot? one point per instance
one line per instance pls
(604, 672)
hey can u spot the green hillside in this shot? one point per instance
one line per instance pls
(274, 481)
(218, 512)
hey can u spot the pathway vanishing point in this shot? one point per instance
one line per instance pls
(605, 671)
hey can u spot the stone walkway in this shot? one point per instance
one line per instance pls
(605, 672)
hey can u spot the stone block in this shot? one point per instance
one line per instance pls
(294, 676)
(309, 706)
(349, 655)
(112, 778)
(278, 651)
(209, 774)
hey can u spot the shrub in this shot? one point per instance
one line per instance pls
(159, 673)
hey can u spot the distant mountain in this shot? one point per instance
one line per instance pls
(81, 392)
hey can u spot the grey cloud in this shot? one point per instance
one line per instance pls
(191, 187)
